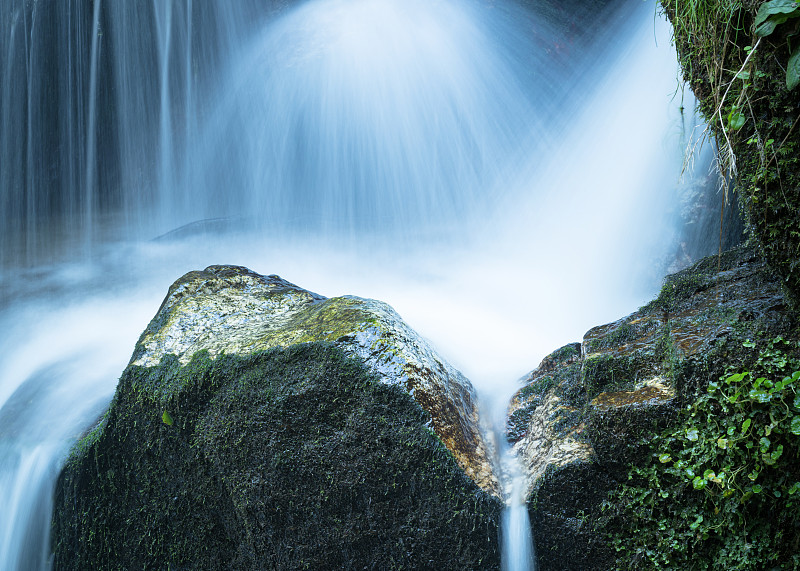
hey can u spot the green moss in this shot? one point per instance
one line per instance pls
(605, 373)
(284, 459)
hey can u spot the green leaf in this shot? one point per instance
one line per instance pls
(722, 443)
(746, 424)
(773, 13)
(765, 443)
(692, 434)
(736, 120)
(793, 69)
(768, 26)
(760, 396)
(739, 376)
(757, 489)
(696, 523)
(664, 458)
(167, 419)
(795, 427)
(698, 483)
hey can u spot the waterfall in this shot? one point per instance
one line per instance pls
(502, 172)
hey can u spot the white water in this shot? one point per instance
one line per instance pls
(396, 150)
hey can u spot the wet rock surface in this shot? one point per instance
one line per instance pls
(588, 412)
(233, 310)
(262, 426)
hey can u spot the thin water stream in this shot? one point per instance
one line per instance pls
(502, 173)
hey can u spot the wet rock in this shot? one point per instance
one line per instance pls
(262, 426)
(589, 411)
(232, 310)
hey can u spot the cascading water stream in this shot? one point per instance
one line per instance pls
(494, 170)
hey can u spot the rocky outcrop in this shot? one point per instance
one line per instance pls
(232, 310)
(740, 81)
(260, 425)
(589, 411)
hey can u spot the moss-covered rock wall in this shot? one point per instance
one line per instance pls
(293, 458)
(740, 80)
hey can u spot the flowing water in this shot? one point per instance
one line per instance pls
(503, 173)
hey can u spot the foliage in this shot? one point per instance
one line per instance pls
(772, 14)
(722, 489)
(734, 55)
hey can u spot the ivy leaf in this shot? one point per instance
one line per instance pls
(765, 443)
(698, 483)
(664, 458)
(739, 376)
(793, 69)
(795, 427)
(760, 396)
(692, 434)
(167, 419)
(746, 425)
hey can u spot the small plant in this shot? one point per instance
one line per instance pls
(776, 13)
(723, 487)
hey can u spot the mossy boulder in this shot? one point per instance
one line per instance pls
(264, 453)
(589, 412)
(233, 310)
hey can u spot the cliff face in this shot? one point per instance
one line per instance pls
(740, 80)
(261, 426)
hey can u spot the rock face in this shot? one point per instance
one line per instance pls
(261, 426)
(588, 412)
(232, 310)
(760, 154)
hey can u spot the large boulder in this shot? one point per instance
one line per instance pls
(262, 426)
(588, 413)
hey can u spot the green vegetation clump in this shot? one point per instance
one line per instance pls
(722, 487)
(283, 459)
(741, 59)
